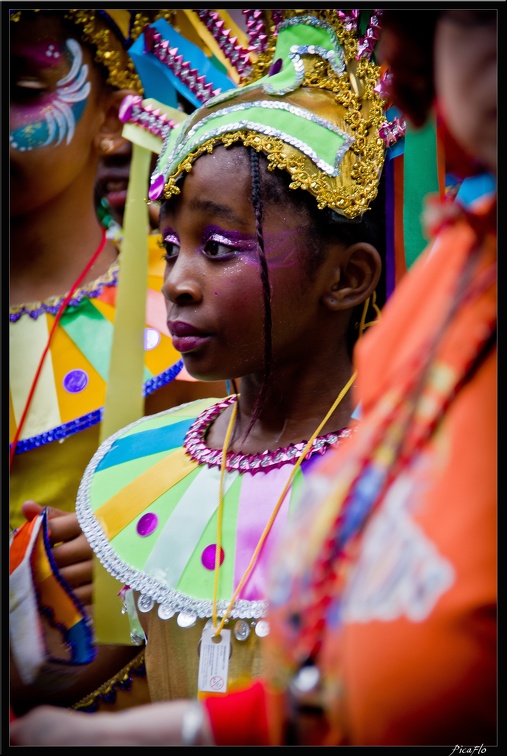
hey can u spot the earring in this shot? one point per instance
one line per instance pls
(107, 145)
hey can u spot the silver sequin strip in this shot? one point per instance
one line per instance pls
(243, 124)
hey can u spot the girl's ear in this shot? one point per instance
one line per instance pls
(109, 136)
(354, 279)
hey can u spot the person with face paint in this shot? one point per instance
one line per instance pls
(383, 595)
(271, 247)
(69, 73)
(111, 188)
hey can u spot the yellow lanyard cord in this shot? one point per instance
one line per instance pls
(221, 508)
(363, 325)
(274, 513)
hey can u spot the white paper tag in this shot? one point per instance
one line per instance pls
(214, 661)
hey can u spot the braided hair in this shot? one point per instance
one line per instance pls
(266, 287)
(325, 226)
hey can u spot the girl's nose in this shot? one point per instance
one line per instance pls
(181, 282)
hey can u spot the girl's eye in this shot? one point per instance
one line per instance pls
(170, 245)
(27, 88)
(218, 248)
(27, 83)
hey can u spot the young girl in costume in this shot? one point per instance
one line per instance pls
(70, 72)
(383, 599)
(270, 243)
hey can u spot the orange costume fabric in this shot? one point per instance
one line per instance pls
(400, 619)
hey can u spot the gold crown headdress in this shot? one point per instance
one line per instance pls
(311, 100)
(111, 32)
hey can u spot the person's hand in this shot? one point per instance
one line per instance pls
(71, 551)
(52, 725)
(153, 724)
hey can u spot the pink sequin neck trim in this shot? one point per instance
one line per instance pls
(194, 444)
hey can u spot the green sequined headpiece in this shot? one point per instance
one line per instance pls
(312, 105)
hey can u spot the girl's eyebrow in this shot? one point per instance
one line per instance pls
(215, 208)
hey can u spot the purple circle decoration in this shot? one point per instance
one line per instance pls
(156, 187)
(75, 381)
(276, 67)
(147, 524)
(208, 556)
(151, 339)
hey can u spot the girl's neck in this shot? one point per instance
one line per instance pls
(290, 415)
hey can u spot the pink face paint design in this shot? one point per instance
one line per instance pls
(43, 55)
(53, 118)
(217, 244)
(283, 248)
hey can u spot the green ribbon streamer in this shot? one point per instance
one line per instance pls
(420, 179)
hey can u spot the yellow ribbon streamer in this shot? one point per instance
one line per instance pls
(124, 394)
(131, 500)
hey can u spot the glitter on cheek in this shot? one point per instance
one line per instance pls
(31, 113)
(30, 137)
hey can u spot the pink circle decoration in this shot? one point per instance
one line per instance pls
(209, 555)
(147, 524)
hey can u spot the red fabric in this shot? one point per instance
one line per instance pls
(19, 544)
(240, 717)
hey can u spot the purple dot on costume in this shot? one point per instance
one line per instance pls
(209, 555)
(276, 67)
(151, 338)
(127, 106)
(156, 187)
(75, 381)
(147, 524)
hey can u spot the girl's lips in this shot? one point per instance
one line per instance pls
(184, 344)
(185, 337)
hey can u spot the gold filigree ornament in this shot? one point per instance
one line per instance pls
(312, 104)
(110, 32)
